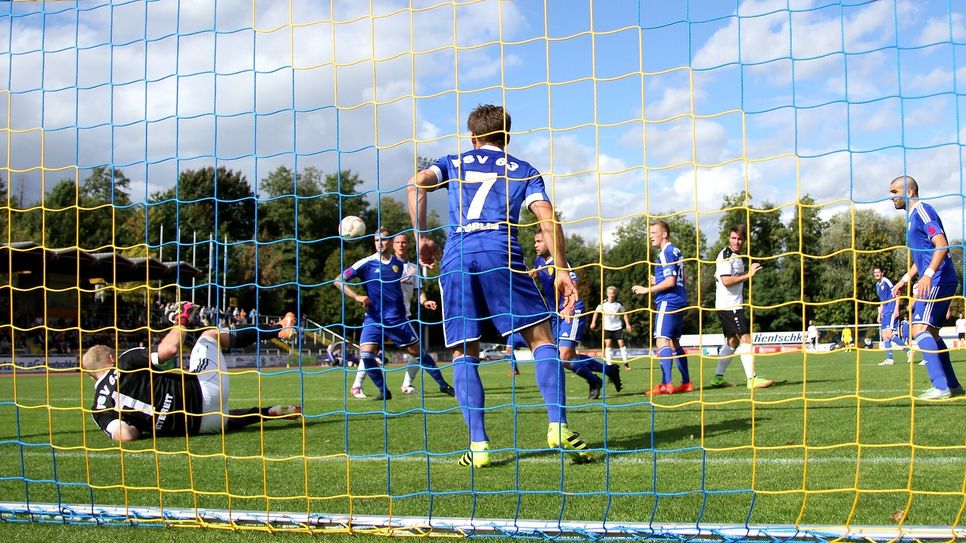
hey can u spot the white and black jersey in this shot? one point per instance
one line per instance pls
(729, 263)
(148, 400)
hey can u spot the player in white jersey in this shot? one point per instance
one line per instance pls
(730, 276)
(615, 320)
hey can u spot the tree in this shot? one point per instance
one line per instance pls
(92, 214)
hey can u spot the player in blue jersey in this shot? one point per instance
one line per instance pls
(569, 333)
(671, 299)
(937, 284)
(386, 316)
(888, 318)
(483, 275)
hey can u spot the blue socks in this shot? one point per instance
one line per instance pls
(900, 342)
(470, 395)
(550, 381)
(373, 370)
(887, 345)
(682, 361)
(667, 358)
(429, 365)
(934, 365)
(947, 364)
(582, 367)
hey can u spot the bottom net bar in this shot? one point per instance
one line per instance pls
(462, 527)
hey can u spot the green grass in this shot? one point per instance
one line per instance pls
(840, 442)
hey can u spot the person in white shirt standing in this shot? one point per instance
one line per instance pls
(961, 329)
(812, 335)
(731, 276)
(614, 319)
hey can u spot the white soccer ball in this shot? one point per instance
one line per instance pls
(352, 227)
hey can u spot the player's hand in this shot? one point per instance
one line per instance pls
(898, 288)
(923, 287)
(638, 289)
(567, 293)
(879, 318)
(653, 280)
(593, 326)
(628, 327)
(430, 305)
(364, 300)
(755, 268)
(429, 252)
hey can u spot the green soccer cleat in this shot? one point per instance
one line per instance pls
(558, 435)
(719, 382)
(478, 456)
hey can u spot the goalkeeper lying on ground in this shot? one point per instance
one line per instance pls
(133, 398)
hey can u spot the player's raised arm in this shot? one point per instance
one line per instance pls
(421, 183)
(553, 232)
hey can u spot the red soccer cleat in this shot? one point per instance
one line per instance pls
(684, 387)
(661, 389)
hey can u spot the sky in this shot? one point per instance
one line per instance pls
(627, 108)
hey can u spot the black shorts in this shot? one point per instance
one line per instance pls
(734, 322)
(614, 334)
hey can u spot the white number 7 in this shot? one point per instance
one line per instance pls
(486, 181)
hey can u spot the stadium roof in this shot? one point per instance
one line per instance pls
(30, 258)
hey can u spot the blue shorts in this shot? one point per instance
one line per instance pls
(493, 286)
(668, 322)
(569, 334)
(376, 333)
(891, 324)
(932, 309)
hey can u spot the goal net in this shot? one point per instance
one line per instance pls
(206, 151)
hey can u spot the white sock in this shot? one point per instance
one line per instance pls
(608, 353)
(360, 376)
(624, 354)
(411, 368)
(747, 359)
(725, 353)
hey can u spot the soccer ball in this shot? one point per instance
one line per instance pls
(352, 227)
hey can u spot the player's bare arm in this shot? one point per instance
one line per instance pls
(553, 232)
(350, 292)
(421, 183)
(732, 280)
(925, 280)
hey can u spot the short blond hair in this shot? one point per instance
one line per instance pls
(97, 358)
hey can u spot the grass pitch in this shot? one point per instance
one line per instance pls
(840, 442)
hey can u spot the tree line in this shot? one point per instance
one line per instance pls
(283, 247)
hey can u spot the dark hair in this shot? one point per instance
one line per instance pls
(490, 124)
(740, 230)
(665, 226)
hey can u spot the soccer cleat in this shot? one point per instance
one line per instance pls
(594, 392)
(956, 391)
(288, 326)
(285, 411)
(358, 393)
(384, 395)
(661, 389)
(558, 435)
(910, 357)
(922, 362)
(887, 362)
(935, 394)
(684, 387)
(478, 456)
(627, 366)
(448, 390)
(514, 371)
(406, 389)
(719, 382)
(758, 382)
(616, 379)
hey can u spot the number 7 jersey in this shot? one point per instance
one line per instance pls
(487, 190)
